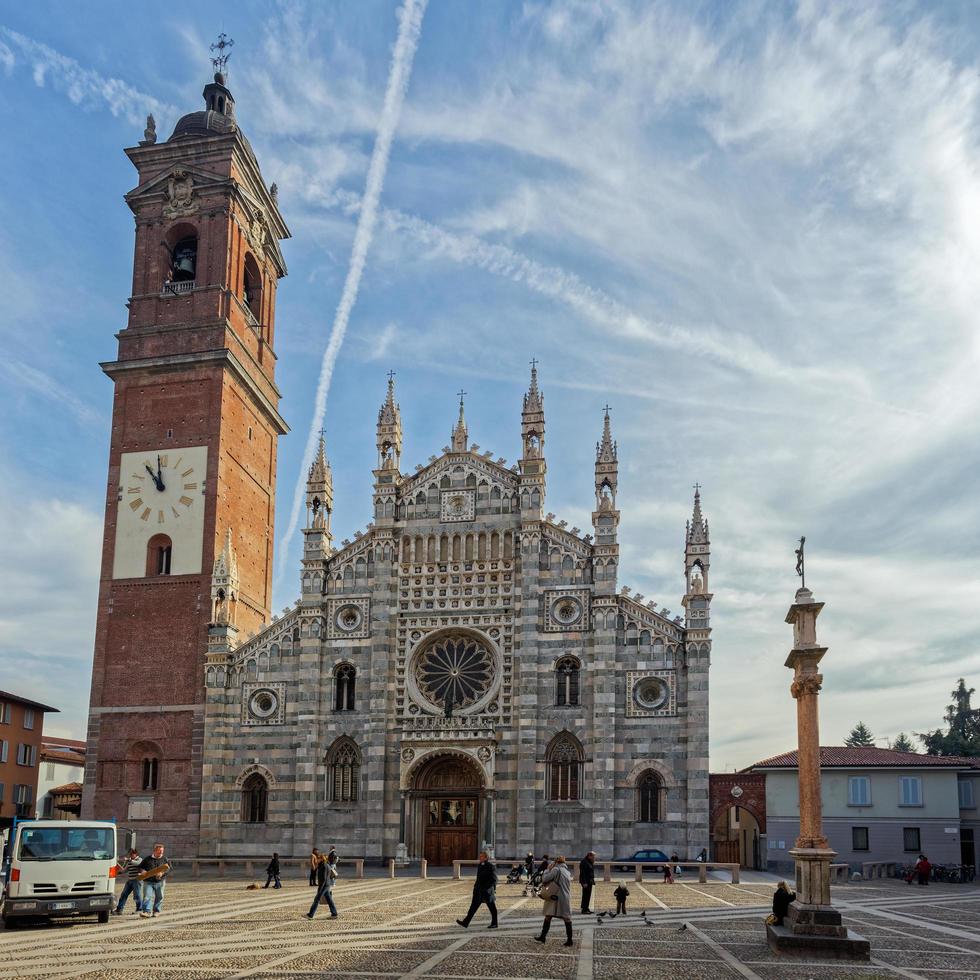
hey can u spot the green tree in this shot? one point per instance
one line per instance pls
(860, 735)
(903, 743)
(962, 736)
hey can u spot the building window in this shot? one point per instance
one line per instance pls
(48, 806)
(649, 790)
(909, 791)
(29, 718)
(255, 799)
(159, 554)
(1, 792)
(858, 791)
(910, 839)
(344, 677)
(23, 800)
(252, 287)
(49, 771)
(26, 754)
(566, 681)
(967, 799)
(3, 750)
(150, 770)
(564, 761)
(343, 771)
(859, 839)
(4, 712)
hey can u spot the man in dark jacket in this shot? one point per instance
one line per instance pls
(586, 878)
(153, 885)
(484, 891)
(272, 871)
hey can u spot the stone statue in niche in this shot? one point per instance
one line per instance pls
(180, 195)
(697, 585)
(221, 608)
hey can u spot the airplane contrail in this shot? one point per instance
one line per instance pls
(410, 16)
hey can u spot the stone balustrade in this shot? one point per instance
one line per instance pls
(877, 869)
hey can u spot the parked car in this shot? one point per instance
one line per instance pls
(648, 854)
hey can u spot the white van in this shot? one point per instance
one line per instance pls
(56, 868)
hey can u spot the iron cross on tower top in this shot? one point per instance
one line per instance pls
(223, 46)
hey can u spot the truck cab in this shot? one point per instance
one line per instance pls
(59, 868)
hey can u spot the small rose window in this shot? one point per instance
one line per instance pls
(263, 704)
(651, 693)
(349, 618)
(566, 610)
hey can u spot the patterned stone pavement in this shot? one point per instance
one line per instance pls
(405, 928)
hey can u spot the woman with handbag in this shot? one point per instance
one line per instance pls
(556, 890)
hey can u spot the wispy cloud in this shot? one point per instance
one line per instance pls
(83, 86)
(35, 381)
(410, 16)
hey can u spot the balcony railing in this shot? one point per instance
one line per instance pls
(178, 288)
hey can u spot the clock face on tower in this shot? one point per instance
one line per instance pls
(161, 493)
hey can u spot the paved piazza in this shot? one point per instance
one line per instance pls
(404, 928)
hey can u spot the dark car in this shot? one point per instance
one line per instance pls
(648, 854)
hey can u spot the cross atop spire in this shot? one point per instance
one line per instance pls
(697, 528)
(460, 436)
(223, 47)
(533, 400)
(605, 450)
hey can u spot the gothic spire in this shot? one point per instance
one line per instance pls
(460, 436)
(389, 412)
(533, 400)
(605, 451)
(697, 526)
(389, 439)
(320, 468)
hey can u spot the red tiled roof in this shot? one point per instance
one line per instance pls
(844, 756)
(65, 756)
(67, 789)
(67, 743)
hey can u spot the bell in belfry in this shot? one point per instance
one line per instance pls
(185, 259)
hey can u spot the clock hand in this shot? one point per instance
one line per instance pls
(156, 480)
(160, 485)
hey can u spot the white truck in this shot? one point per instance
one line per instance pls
(58, 868)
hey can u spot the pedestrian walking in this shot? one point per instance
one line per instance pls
(130, 867)
(314, 864)
(484, 892)
(621, 894)
(674, 859)
(152, 896)
(922, 869)
(702, 857)
(272, 871)
(544, 865)
(557, 892)
(529, 865)
(586, 878)
(781, 900)
(668, 875)
(326, 875)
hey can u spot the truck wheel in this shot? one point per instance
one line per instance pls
(103, 918)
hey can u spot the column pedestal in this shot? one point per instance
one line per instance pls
(812, 926)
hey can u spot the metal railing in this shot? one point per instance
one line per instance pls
(703, 867)
(178, 288)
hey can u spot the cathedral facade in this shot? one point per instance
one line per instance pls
(466, 672)
(463, 674)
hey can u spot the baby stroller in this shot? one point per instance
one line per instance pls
(533, 886)
(515, 874)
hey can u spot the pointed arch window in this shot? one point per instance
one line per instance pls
(564, 760)
(649, 797)
(343, 771)
(345, 677)
(255, 799)
(567, 681)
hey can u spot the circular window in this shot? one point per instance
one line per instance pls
(651, 693)
(264, 703)
(455, 670)
(566, 610)
(349, 618)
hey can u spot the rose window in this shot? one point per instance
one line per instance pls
(651, 693)
(263, 704)
(349, 618)
(456, 669)
(566, 610)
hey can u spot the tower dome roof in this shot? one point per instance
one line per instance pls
(216, 119)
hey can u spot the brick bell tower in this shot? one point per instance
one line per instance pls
(192, 457)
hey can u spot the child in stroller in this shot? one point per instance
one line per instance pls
(515, 874)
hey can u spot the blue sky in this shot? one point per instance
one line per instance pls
(752, 228)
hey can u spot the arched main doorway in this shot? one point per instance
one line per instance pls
(447, 793)
(735, 837)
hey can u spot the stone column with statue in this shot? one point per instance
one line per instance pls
(812, 926)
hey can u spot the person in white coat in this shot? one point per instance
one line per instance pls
(557, 879)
